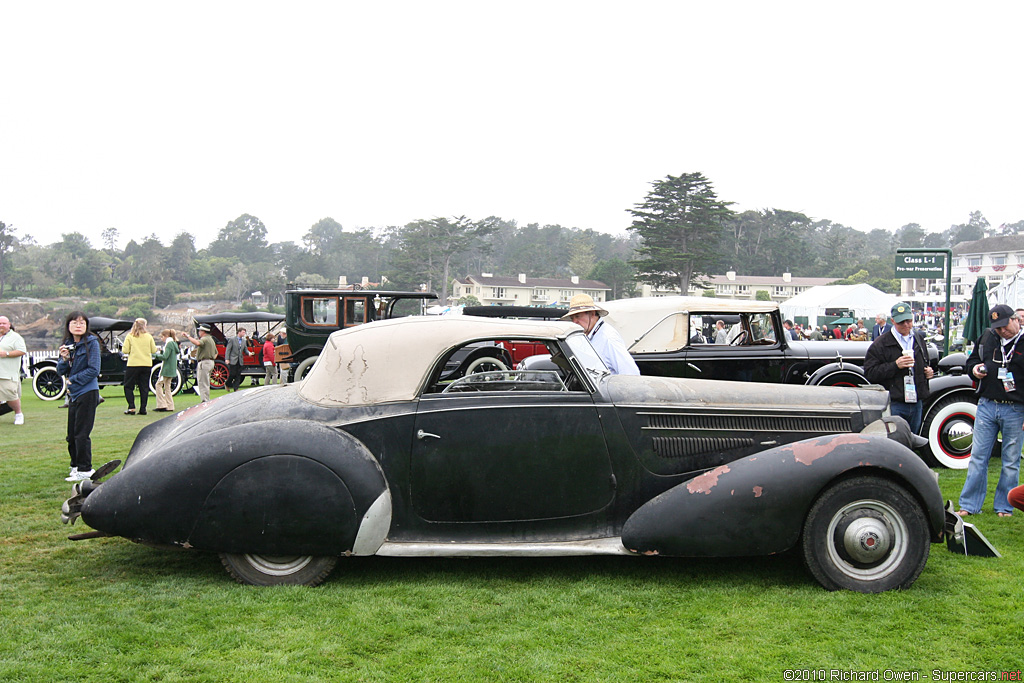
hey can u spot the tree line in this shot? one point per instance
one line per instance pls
(680, 233)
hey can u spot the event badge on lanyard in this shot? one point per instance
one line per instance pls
(1006, 376)
(909, 388)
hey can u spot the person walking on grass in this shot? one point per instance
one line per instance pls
(140, 349)
(12, 348)
(80, 363)
(168, 371)
(206, 354)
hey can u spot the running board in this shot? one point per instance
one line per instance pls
(597, 546)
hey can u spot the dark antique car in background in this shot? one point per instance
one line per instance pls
(48, 385)
(672, 337)
(313, 314)
(373, 453)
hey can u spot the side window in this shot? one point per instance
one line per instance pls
(320, 311)
(761, 329)
(355, 312)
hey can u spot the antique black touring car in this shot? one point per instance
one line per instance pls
(375, 454)
(675, 337)
(49, 385)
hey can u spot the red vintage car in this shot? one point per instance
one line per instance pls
(257, 325)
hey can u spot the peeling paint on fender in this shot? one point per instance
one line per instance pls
(758, 491)
(707, 481)
(806, 452)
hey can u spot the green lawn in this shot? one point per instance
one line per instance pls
(110, 610)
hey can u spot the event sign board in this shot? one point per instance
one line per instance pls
(921, 265)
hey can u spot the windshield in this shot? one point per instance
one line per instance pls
(587, 356)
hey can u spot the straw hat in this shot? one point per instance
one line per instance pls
(581, 303)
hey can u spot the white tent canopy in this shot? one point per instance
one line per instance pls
(1009, 292)
(863, 300)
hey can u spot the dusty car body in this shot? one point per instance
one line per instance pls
(369, 456)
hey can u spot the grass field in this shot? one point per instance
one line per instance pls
(110, 610)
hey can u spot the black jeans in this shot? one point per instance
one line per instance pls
(81, 416)
(136, 375)
(234, 375)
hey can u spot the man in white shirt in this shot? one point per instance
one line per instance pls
(12, 348)
(606, 341)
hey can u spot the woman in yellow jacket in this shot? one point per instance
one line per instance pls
(139, 347)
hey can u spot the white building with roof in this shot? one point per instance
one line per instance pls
(999, 259)
(492, 290)
(745, 287)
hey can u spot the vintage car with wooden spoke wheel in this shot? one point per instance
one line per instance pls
(375, 453)
(48, 385)
(257, 324)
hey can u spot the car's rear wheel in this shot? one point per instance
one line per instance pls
(866, 534)
(302, 369)
(154, 375)
(278, 570)
(219, 376)
(949, 427)
(48, 384)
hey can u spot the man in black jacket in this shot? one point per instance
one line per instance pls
(898, 360)
(997, 364)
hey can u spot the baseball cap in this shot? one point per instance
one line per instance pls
(1000, 315)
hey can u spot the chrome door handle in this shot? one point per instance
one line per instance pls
(423, 435)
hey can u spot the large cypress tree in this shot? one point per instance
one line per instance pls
(680, 222)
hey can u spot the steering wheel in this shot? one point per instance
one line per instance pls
(739, 338)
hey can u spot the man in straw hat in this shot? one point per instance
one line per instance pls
(206, 353)
(605, 340)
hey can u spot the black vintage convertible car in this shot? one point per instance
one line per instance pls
(373, 453)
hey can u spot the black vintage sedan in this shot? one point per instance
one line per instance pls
(375, 454)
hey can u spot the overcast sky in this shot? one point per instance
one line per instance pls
(157, 117)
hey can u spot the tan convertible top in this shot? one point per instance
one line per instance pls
(389, 360)
(636, 318)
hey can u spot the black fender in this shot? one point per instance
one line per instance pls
(941, 386)
(37, 365)
(822, 374)
(757, 505)
(276, 487)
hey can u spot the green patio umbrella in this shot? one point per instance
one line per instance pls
(976, 321)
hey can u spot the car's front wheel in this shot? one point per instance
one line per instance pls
(278, 570)
(866, 534)
(48, 384)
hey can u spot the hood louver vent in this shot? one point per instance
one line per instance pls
(832, 424)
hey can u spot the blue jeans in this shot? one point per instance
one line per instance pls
(911, 412)
(992, 418)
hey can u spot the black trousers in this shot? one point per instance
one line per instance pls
(234, 376)
(81, 416)
(137, 376)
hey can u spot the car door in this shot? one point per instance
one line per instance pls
(508, 457)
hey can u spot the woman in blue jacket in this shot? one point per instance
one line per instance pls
(80, 362)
